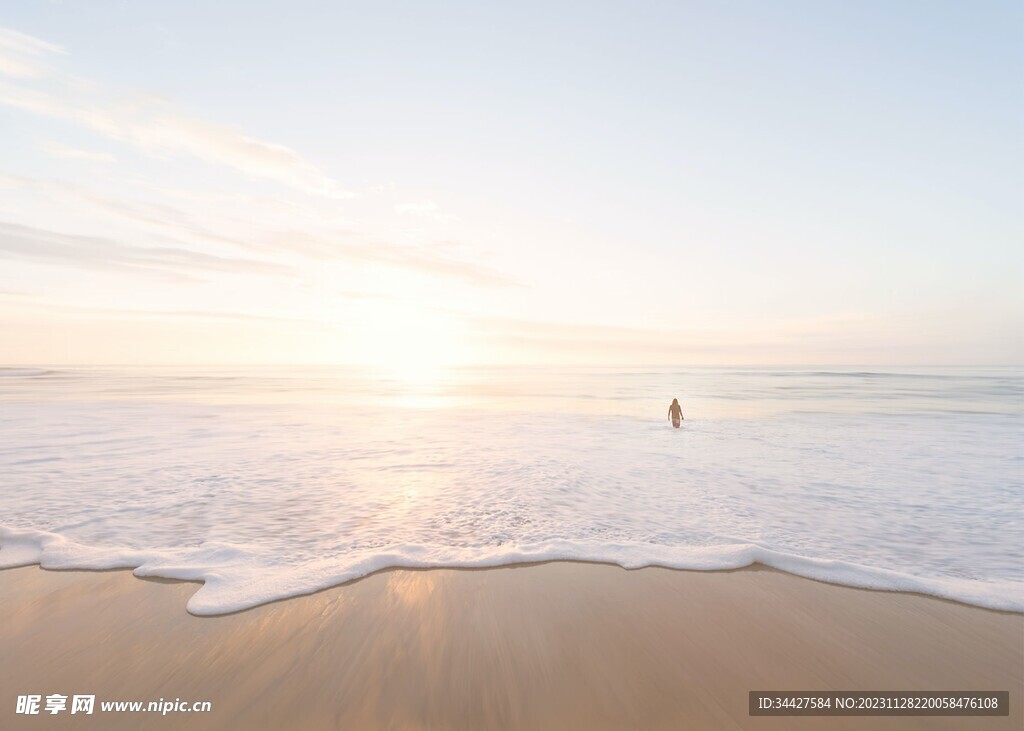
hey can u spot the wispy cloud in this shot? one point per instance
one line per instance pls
(148, 123)
(65, 152)
(165, 219)
(17, 42)
(582, 337)
(429, 260)
(41, 301)
(34, 77)
(36, 244)
(834, 337)
(21, 54)
(130, 313)
(160, 220)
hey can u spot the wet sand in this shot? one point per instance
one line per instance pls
(552, 646)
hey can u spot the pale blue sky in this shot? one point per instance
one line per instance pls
(483, 182)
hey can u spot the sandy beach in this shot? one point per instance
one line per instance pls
(550, 646)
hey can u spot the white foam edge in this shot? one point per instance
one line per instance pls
(232, 582)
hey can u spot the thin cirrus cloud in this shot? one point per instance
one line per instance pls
(147, 123)
(584, 341)
(66, 152)
(169, 222)
(152, 314)
(20, 54)
(166, 219)
(29, 243)
(347, 246)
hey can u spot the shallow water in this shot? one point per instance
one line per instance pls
(273, 482)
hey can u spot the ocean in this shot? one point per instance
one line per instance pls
(266, 483)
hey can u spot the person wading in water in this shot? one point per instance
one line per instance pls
(675, 413)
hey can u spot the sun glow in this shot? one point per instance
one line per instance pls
(408, 344)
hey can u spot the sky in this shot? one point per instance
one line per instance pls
(533, 182)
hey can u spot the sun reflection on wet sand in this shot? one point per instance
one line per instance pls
(411, 588)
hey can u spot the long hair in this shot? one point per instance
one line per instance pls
(675, 402)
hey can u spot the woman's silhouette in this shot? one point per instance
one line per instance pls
(675, 413)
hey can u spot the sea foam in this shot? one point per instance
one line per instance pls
(234, 581)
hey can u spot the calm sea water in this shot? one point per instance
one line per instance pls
(273, 482)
